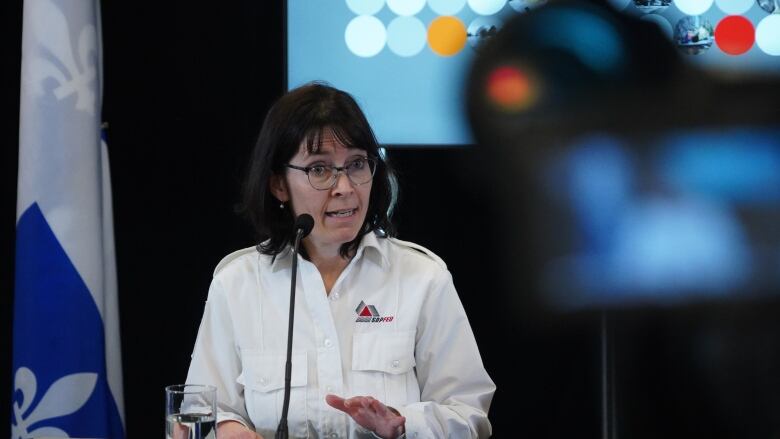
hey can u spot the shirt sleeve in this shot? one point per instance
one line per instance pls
(216, 360)
(455, 389)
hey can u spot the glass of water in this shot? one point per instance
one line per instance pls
(190, 411)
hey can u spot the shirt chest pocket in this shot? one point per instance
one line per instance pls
(263, 380)
(383, 366)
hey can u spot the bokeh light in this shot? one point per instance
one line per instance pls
(365, 7)
(734, 35)
(510, 88)
(693, 7)
(365, 36)
(446, 35)
(406, 7)
(734, 7)
(446, 7)
(486, 7)
(768, 35)
(406, 36)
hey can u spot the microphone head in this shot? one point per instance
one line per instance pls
(305, 223)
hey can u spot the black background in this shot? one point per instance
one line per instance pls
(186, 88)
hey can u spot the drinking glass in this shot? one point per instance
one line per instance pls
(190, 411)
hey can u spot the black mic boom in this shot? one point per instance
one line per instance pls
(303, 225)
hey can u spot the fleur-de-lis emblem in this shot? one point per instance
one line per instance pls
(65, 396)
(74, 71)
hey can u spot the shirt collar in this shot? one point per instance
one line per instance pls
(370, 245)
(376, 250)
(282, 260)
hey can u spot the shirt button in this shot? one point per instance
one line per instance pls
(335, 296)
(396, 363)
(329, 389)
(263, 381)
(334, 435)
(328, 343)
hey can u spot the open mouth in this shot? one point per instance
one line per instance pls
(343, 213)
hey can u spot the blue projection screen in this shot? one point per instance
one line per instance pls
(404, 61)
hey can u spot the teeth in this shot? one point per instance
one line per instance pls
(342, 213)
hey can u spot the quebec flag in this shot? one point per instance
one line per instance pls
(67, 377)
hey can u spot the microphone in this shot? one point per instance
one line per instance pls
(303, 225)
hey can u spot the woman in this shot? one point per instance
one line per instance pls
(381, 343)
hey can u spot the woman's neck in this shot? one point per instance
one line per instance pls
(330, 264)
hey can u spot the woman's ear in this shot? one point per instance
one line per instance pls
(279, 188)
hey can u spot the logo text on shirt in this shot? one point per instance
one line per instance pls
(369, 314)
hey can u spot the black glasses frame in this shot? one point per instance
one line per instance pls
(338, 170)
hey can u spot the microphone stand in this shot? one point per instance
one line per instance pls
(282, 431)
(608, 391)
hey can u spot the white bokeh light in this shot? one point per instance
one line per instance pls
(365, 7)
(734, 7)
(768, 35)
(365, 36)
(693, 7)
(406, 7)
(486, 7)
(446, 7)
(406, 36)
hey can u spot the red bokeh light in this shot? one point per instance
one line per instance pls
(735, 35)
(510, 88)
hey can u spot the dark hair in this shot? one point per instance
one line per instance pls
(302, 115)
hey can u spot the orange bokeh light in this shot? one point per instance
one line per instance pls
(446, 35)
(510, 88)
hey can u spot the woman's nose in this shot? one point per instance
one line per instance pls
(343, 184)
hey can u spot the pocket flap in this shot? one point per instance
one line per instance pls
(390, 352)
(264, 372)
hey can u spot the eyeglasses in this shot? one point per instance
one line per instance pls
(323, 177)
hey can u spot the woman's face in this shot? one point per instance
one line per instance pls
(338, 212)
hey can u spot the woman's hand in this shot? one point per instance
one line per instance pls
(235, 430)
(371, 414)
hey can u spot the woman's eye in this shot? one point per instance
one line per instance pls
(357, 164)
(317, 171)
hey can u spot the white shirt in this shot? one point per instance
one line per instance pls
(392, 328)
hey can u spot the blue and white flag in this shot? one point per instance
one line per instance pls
(67, 375)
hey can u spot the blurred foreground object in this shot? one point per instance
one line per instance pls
(627, 176)
(637, 189)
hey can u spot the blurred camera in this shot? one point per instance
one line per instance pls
(625, 175)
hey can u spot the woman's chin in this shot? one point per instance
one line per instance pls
(333, 237)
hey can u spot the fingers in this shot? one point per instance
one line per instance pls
(397, 421)
(336, 402)
(368, 412)
(352, 406)
(357, 402)
(379, 408)
(349, 405)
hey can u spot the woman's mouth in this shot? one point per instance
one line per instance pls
(343, 213)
